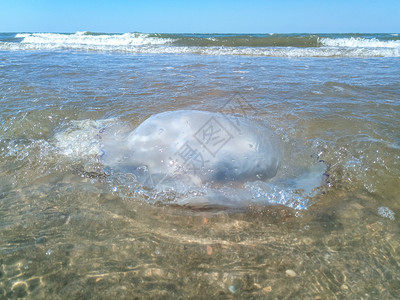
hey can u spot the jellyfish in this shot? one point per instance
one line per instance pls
(189, 150)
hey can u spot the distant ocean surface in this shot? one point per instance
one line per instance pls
(280, 45)
(71, 228)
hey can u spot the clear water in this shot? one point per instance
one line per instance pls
(69, 230)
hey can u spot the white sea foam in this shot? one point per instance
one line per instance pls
(218, 51)
(386, 212)
(79, 139)
(357, 42)
(82, 39)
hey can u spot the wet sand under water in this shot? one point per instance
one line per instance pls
(100, 246)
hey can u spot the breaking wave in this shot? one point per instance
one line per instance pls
(274, 45)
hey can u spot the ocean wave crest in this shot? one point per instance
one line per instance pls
(82, 38)
(276, 45)
(357, 42)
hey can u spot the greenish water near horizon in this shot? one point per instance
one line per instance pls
(69, 230)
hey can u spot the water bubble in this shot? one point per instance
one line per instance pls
(291, 273)
(40, 240)
(232, 289)
(386, 212)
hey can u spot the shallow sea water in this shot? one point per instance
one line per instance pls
(68, 231)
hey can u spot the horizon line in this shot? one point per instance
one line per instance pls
(228, 33)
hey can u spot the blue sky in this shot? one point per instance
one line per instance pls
(251, 16)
